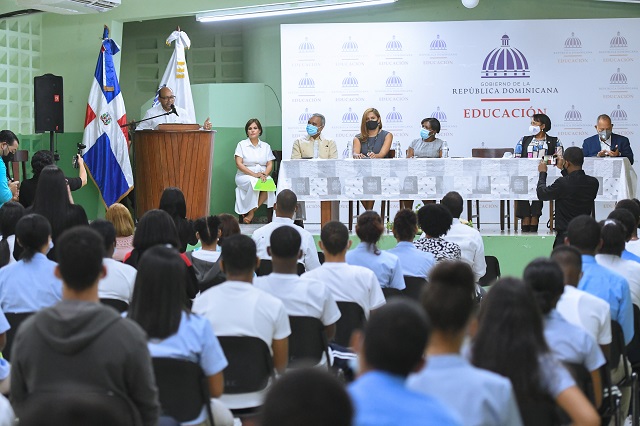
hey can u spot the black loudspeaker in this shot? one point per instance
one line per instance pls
(48, 106)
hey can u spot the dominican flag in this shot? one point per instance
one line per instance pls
(107, 153)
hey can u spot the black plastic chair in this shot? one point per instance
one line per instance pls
(250, 364)
(633, 348)
(493, 271)
(352, 318)
(630, 380)
(118, 305)
(182, 388)
(307, 342)
(266, 267)
(415, 286)
(321, 257)
(390, 293)
(76, 408)
(539, 413)
(14, 321)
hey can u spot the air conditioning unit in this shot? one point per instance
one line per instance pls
(70, 7)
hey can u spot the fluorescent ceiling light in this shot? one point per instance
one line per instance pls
(282, 9)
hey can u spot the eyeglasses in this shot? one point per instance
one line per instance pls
(171, 98)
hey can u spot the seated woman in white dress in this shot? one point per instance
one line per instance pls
(173, 331)
(254, 160)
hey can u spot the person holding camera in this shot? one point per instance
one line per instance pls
(39, 161)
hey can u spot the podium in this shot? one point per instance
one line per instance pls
(174, 156)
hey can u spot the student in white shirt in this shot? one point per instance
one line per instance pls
(613, 243)
(467, 237)
(302, 296)
(579, 307)
(347, 283)
(285, 209)
(120, 279)
(237, 308)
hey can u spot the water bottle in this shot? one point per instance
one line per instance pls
(530, 151)
(445, 149)
(316, 148)
(535, 151)
(398, 150)
(518, 151)
(347, 154)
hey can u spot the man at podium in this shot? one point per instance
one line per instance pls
(172, 113)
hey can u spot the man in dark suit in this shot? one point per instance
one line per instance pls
(606, 143)
(574, 192)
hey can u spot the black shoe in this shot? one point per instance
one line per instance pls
(533, 228)
(526, 228)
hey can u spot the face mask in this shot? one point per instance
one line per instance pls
(534, 130)
(424, 134)
(605, 134)
(372, 125)
(312, 130)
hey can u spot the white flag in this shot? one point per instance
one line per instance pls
(176, 76)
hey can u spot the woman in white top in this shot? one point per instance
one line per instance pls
(254, 160)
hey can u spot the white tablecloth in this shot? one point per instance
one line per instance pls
(484, 179)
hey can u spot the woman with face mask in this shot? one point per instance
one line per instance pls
(535, 145)
(372, 141)
(428, 146)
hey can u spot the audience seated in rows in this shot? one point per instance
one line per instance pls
(435, 221)
(172, 201)
(385, 265)
(53, 201)
(121, 219)
(466, 237)
(301, 296)
(172, 330)
(477, 397)
(206, 260)
(120, 279)
(30, 284)
(10, 214)
(285, 209)
(390, 348)
(157, 227)
(80, 346)
(237, 308)
(510, 341)
(569, 343)
(579, 307)
(308, 397)
(347, 283)
(413, 262)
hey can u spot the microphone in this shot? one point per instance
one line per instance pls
(173, 110)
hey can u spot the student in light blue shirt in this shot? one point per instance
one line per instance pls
(385, 265)
(30, 284)
(157, 305)
(389, 349)
(414, 262)
(583, 233)
(568, 342)
(478, 397)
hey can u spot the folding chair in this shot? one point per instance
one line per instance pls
(118, 305)
(266, 267)
(307, 342)
(250, 366)
(352, 318)
(493, 271)
(14, 321)
(630, 379)
(182, 389)
(415, 286)
(68, 407)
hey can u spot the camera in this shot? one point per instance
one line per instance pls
(81, 147)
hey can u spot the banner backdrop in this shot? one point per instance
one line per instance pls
(481, 79)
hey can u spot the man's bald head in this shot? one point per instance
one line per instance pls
(166, 98)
